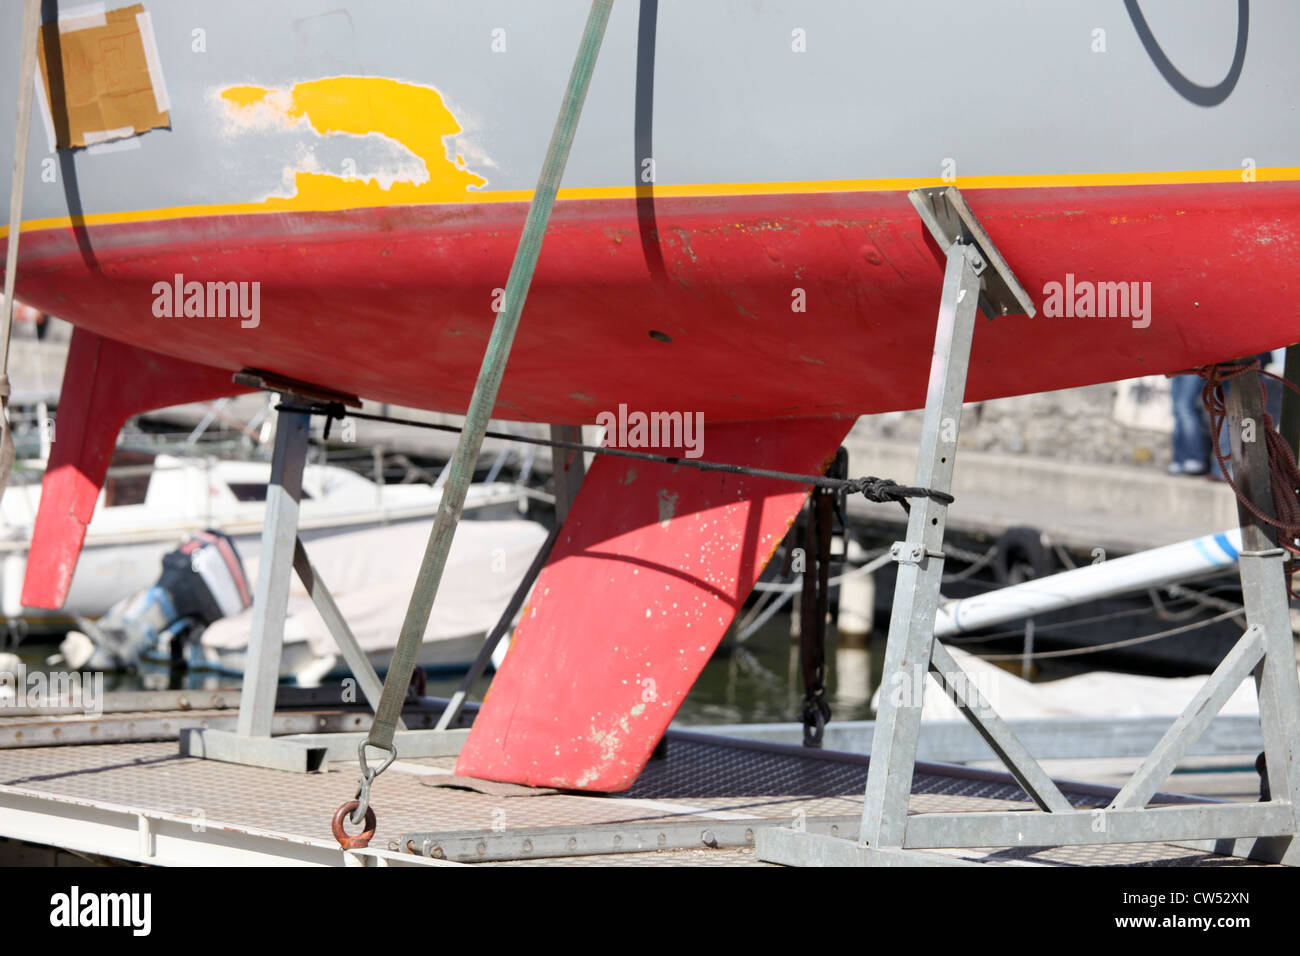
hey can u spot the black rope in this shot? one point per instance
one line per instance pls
(872, 488)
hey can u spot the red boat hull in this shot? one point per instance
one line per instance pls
(396, 303)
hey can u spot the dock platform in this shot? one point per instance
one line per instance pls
(141, 801)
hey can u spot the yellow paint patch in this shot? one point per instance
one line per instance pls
(412, 115)
(244, 96)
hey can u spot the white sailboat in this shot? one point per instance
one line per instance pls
(144, 512)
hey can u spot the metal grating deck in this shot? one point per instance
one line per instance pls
(702, 779)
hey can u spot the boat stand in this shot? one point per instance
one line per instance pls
(976, 275)
(283, 553)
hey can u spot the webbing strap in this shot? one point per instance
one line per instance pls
(22, 129)
(489, 381)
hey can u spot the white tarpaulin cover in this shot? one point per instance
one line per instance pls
(1099, 694)
(371, 573)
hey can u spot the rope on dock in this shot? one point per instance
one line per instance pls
(880, 490)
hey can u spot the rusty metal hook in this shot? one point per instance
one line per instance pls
(358, 841)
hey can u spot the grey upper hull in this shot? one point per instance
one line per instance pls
(882, 90)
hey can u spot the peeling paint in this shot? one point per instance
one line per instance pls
(667, 507)
(413, 116)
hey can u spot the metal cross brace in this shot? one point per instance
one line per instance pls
(976, 276)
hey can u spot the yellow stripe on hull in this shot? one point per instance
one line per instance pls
(703, 190)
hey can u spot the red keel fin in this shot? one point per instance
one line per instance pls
(652, 566)
(105, 382)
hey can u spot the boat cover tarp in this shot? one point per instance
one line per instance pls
(371, 573)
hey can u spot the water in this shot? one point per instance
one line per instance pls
(760, 680)
(39, 656)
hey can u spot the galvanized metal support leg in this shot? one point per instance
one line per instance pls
(1289, 426)
(1263, 585)
(975, 277)
(911, 652)
(271, 597)
(920, 557)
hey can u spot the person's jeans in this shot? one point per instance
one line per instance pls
(1191, 443)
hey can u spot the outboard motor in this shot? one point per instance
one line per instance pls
(202, 581)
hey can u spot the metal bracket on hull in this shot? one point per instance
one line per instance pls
(271, 382)
(950, 220)
(1265, 830)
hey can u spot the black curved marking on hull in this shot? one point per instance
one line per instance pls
(647, 27)
(59, 118)
(1193, 92)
